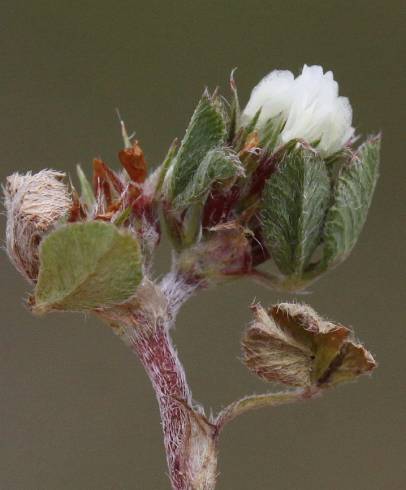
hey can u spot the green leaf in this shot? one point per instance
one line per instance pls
(85, 187)
(219, 165)
(206, 131)
(353, 193)
(294, 203)
(85, 266)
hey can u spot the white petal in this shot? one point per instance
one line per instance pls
(271, 95)
(309, 104)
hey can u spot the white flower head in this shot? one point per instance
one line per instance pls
(309, 105)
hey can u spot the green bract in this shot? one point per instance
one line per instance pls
(84, 266)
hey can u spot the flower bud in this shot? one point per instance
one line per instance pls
(308, 105)
(34, 204)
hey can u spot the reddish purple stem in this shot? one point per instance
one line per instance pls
(162, 365)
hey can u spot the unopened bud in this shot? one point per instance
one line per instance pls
(34, 204)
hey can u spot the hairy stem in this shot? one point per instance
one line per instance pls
(167, 376)
(189, 438)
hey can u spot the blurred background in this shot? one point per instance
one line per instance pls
(76, 410)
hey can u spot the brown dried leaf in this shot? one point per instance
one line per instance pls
(293, 345)
(105, 182)
(76, 212)
(323, 338)
(101, 186)
(355, 360)
(132, 159)
(274, 354)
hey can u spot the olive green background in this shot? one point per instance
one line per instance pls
(76, 410)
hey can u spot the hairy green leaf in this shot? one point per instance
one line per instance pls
(219, 165)
(294, 204)
(85, 266)
(353, 193)
(206, 131)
